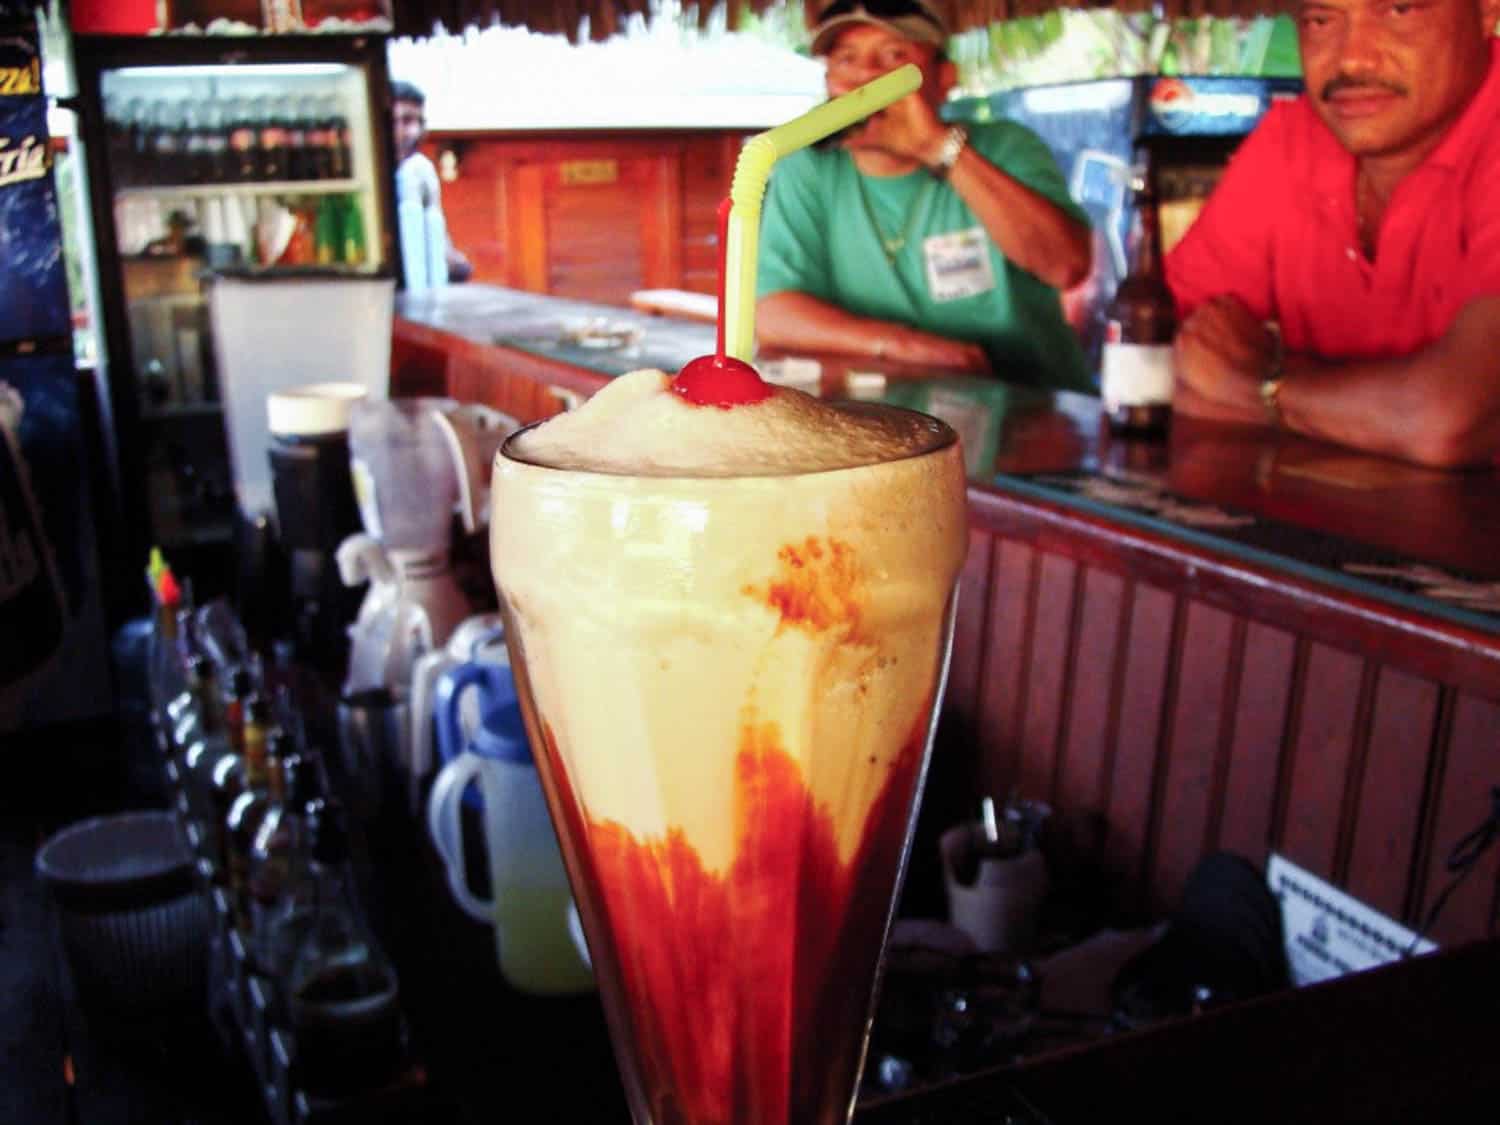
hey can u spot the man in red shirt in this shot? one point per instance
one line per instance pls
(1344, 278)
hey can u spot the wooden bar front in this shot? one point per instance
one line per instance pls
(1187, 696)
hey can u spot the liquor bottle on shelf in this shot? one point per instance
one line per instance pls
(201, 728)
(233, 774)
(342, 994)
(1140, 323)
(204, 755)
(184, 649)
(265, 751)
(199, 705)
(166, 676)
(280, 893)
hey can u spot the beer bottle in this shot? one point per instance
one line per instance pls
(1140, 322)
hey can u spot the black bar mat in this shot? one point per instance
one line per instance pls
(1466, 598)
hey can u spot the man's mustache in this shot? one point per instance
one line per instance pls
(1343, 83)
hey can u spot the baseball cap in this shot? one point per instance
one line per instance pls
(910, 19)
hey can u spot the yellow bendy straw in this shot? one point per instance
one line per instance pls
(748, 189)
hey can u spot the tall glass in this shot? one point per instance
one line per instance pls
(731, 685)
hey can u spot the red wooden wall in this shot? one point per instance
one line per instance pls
(590, 216)
(1199, 715)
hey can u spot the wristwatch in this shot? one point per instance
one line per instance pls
(954, 142)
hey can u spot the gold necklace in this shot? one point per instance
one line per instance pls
(915, 211)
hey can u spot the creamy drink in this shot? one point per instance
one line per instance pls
(729, 625)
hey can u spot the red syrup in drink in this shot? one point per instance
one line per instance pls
(743, 994)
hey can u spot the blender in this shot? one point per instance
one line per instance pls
(412, 461)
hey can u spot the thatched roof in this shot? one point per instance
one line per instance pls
(416, 17)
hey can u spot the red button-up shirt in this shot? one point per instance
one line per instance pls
(1280, 233)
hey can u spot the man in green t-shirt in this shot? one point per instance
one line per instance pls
(914, 241)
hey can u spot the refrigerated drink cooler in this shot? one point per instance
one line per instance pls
(244, 157)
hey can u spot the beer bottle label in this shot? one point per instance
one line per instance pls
(1134, 374)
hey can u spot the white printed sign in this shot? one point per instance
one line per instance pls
(1329, 933)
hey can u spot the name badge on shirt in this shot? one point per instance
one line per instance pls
(958, 264)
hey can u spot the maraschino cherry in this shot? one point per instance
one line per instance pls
(720, 380)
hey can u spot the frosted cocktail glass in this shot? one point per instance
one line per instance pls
(731, 684)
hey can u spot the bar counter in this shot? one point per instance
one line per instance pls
(1232, 639)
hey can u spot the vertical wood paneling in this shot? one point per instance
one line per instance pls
(592, 255)
(474, 208)
(1046, 689)
(969, 631)
(1187, 793)
(1391, 791)
(1002, 693)
(493, 204)
(661, 224)
(1257, 747)
(1471, 766)
(526, 266)
(1321, 752)
(1082, 779)
(1143, 668)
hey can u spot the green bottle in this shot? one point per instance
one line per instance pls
(354, 232)
(328, 235)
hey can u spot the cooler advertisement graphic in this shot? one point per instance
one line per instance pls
(52, 662)
(33, 282)
(1212, 107)
(36, 425)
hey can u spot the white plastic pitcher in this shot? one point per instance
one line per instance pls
(530, 899)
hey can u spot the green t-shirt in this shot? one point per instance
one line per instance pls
(826, 228)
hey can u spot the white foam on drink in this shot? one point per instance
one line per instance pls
(636, 425)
